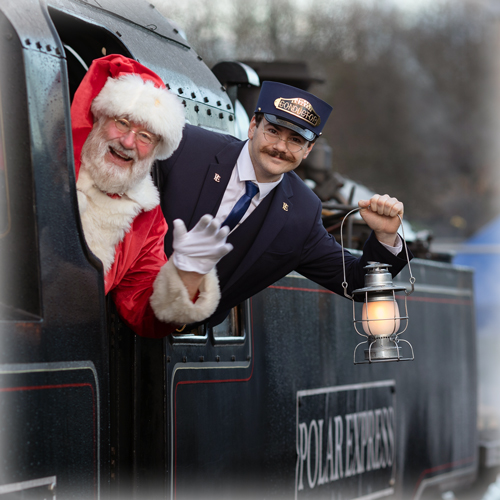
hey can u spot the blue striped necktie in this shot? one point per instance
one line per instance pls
(241, 206)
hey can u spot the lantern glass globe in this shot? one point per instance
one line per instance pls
(380, 318)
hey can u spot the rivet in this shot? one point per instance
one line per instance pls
(168, 86)
(58, 51)
(200, 58)
(176, 31)
(197, 108)
(231, 118)
(168, 359)
(217, 358)
(233, 358)
(223, 88)
(49, 48)
(193, 95)
(249, 358)
(181, 91)
(209, 112)
(27, 41)
(205, 99)
(219, 103)
(184, 102)
(221, 115)
(184, 359)
(38, 45)
(119, 34)
(202, 359)
(228, 106)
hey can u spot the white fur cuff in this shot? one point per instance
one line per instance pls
(170, 300)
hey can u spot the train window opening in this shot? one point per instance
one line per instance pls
(83, 42)
(186, 335)
(230, 331)
(19, 267)
(233, 329)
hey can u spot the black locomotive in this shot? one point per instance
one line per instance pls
(266, 405)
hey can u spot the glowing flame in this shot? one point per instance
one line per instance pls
(380, 318)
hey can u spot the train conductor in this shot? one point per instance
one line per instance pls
(275, 219)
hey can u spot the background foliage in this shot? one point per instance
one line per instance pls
(412, 90)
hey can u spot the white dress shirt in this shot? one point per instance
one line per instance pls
(236, 187)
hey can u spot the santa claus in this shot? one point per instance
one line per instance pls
(123, 118)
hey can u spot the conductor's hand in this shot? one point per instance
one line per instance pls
(200, 249)
(381, 214)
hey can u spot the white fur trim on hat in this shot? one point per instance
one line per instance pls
(157, 109)
(170, 300)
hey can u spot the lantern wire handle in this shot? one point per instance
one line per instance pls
(345, 284)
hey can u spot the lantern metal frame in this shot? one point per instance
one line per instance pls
(381, 348)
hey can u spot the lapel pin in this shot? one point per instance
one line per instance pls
(217, 178)
(285, 207)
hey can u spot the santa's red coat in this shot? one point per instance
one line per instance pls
(140, 255)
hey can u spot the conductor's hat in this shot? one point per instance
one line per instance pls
(293, 108)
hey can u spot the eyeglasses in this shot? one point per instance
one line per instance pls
(294, 144)
(143, 136)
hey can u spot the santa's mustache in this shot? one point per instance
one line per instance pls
(116, 146)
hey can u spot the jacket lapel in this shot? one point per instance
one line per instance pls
(215, 183)
(279, 212)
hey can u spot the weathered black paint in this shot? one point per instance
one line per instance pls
(302, 338)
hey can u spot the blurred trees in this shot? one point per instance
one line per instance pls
(411, 112)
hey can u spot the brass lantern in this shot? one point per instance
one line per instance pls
(381, 322)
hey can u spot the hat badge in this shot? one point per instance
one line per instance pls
(301, 108)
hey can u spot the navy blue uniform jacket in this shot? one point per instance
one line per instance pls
(284, 233)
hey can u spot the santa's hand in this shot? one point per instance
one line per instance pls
(200, 249)
(381, 214)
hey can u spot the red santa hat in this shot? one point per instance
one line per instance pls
(118, 86)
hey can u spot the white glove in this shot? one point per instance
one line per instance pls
(200, 249)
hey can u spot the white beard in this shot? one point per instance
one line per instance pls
(106, 220)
